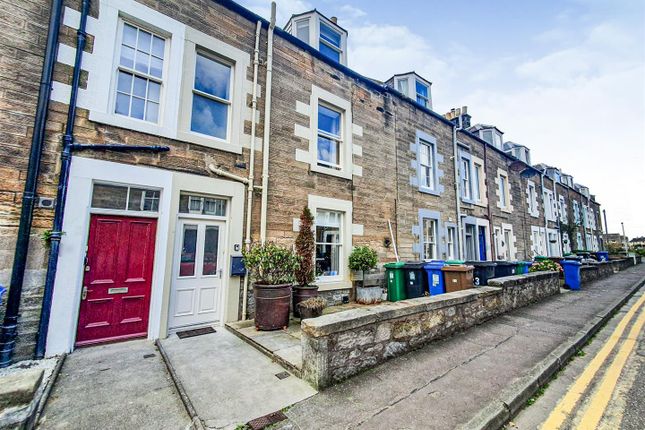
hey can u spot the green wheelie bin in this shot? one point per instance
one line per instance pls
(395, 281)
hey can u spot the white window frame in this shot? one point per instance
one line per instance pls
(239, 62)
(465, 178)
(340, 49)
(479, 181)
(531, 199)
(418, 95)
(504, 203)
(425, 139)
(298, 22)
(451, 242)
(342, 280)
(425, 240)
(326, 135)
(320, 96)
(549, 202)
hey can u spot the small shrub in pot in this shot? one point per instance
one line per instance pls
(364, 258)
(305, 249)
(272, 268)
(312, 307)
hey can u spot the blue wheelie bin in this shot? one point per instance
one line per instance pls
(435, 277)
(571, 270)
(602, 256)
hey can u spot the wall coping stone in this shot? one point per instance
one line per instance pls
(514, 280)
(355, 318)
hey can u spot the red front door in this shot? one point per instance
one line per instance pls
(118, 276)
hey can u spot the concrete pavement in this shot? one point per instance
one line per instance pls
(116, 386)
(446, 384)
(228, 382)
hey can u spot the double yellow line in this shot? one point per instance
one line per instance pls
(596, 407)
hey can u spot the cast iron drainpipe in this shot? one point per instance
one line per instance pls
(61, 195)
(10, 323)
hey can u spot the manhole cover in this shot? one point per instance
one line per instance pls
(267, 420)
(195, 332)
(282, 375)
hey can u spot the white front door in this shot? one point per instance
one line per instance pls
(197, 273)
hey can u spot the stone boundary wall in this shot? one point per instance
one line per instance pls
(337, 346)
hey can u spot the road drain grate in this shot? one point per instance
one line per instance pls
(282, 375)
(195, 332)
(148, 355)
(267, 420)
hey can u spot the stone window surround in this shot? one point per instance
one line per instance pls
(512, 248)
(417, 231)
(483, 199)
(465, 156)
(535, 204)
(477, 222)
(348, 150)
(509, 198)
(100, 64)
(550, 205)
(540, 247)
(348, 230)
(562, 209)
(415, 180)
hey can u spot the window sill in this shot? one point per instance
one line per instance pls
(186, 136)
(343, 173)
(431, 191)
(324, 285)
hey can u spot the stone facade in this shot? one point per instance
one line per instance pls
(379, 182)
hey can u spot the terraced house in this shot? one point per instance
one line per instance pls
(182, 131)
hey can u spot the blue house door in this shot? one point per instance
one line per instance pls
(482, 243)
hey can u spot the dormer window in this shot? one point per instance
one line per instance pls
(492, 136)
(422, 94)
(321, 33)
(413, 86)
(330, 42)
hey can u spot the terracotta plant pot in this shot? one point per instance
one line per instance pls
(301, 293)
(272, 306)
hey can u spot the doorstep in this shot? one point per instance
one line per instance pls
(282, 346)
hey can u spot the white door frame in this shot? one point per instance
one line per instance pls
(222, 257)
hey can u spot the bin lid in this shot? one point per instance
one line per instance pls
(524, 263)
(457, 268)
(540, 258)
(571, 263)
(481, 263)
(454, 262)
(414, 264)
(437, 264)
(394, 265)
(505, 263)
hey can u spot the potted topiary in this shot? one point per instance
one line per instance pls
(272, 269)
(305, 247)
(312, 307)
(364, 258)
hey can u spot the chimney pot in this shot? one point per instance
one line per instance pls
(334, 19)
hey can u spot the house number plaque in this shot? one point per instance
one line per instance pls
(121, 290)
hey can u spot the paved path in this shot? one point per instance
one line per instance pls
(589, 374)
(117, 386)
(228, 381)
(446, 383)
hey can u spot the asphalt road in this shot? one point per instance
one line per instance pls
(614, 393)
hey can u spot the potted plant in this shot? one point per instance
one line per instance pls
(305, 248)
(312, 307)
(364, 258)
(272, 269)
